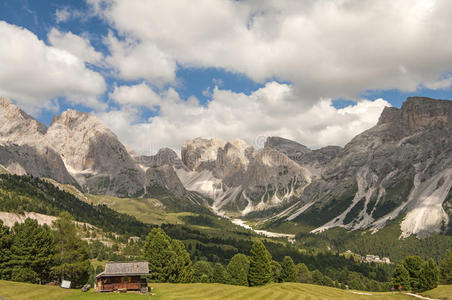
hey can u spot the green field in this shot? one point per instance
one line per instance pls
(290, 291)
(443, 292)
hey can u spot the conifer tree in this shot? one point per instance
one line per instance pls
(446, 268)
(219, 273)
(32, 252)
(238, 269)
(288, 270)
(413, 264)
(401, 276)
(429, 276)
(276, 271)
(71, 257)
(156, 252)
(5, 251)
(182, 271)
(260, 272)
(303, 274)
(202, 272)
(168, 259)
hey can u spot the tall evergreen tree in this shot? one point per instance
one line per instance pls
(401, 277)
(303, 274)
(288, 270)
(156, 252)
(5, 251)
(413, 264)
(182, 271)
(260, 272)
(446, 268)
(168, 259)
(202, 272)
(71, 257)
(32, 252)
(429, 276)
(238, 269)
(219, 273)
(276, 271)
(317, 277)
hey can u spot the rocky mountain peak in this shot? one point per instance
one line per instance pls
(418, 113)
(421, 112)
(198, 152)
(16, 122)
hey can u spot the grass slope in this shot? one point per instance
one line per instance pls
(291, 291)
(441, 292)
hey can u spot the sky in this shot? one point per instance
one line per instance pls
(160, 72)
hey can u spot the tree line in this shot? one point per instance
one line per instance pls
(35, 253)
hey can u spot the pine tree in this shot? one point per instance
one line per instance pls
(202, 272)
(260, 272)
(303, 274)
(288, 270)
(32, 252)
(168, 259)
(276, 271)
(71, 257)
(317, 277)
(5, 251)
(238, 269)
(401, 276)
(182, 271)
(446, 268)
(413, 264)
(429, 276)
(156, 252)
(219, 273)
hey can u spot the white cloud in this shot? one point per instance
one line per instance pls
(33, 73)
(62, 15)
(137, 95)
(74, 44)
(136, 60)
(325, 48)
(271, 110)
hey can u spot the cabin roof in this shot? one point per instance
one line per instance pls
(132, 268)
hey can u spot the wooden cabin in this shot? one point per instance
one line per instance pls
(123, 277)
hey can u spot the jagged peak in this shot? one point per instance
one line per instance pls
(17, 119)
(72, 118)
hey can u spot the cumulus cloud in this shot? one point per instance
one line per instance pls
(137, 60)
(137, 95)
(269, 111)
(33, 73)
(75, 45)
(325, 48)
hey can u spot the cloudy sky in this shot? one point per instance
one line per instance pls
(161, 72)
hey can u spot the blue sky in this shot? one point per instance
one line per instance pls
(158, 73)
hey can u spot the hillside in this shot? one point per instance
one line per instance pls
(196, 291)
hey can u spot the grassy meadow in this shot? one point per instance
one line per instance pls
(287, 291)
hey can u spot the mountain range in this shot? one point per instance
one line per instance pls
(400, 168)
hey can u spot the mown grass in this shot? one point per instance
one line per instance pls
(443, 292)
(196, 291)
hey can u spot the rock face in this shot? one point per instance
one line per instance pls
(78, 149)
(403, 165)
(95, 156)
(24, 148)
(400, 167)
(238, 178)
(313, 160)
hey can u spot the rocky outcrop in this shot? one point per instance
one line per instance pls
(95, 156)
(24, 148)
(312, 160)
(391, 169)
(239, 178)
